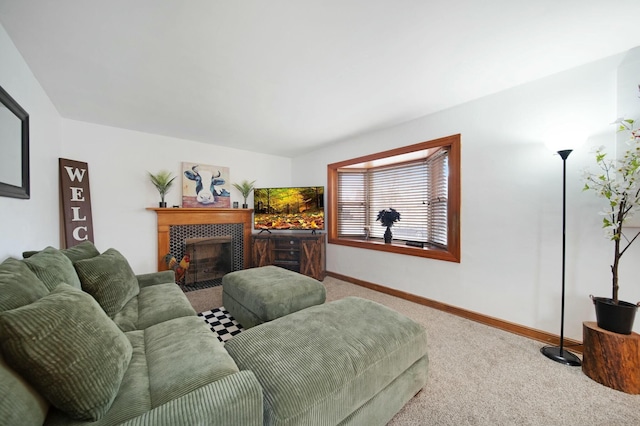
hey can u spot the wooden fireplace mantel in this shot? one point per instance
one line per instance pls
(201, 216)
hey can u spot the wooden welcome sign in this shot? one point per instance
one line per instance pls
(75, 199)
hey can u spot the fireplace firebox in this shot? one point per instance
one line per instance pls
(210, 258)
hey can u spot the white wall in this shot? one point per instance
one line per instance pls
(118, 161)
(511, 204)
(33, 223)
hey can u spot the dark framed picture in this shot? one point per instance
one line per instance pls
(14, 145)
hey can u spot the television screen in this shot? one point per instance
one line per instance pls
(293, 208)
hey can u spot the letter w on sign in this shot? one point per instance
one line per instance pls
(75, 199)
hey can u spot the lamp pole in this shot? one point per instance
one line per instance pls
(558, 353)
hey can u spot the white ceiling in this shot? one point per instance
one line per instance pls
(287, 76)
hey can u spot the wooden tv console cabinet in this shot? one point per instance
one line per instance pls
(299, 252)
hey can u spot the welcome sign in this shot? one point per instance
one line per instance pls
(76, 202)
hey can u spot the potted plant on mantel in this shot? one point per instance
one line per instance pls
(618, 181)
(162, 181)
(245, 188)
(388, 217)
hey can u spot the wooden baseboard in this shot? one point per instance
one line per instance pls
(531, 333)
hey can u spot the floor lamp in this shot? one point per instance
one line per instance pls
(559, 353)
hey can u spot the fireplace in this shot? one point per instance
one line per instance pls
(209, 259)
(177, 225)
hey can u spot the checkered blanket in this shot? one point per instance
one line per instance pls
(221, 323)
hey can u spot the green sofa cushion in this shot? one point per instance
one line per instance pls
(68, 349)
(109, 279)
(20, 404)
(19, 286)
(234, 400)
(53, 268)
(84, 250)
(154, 278)
(170, 361)
(127, 318)
(178, 365)
(162, 302)
(320, 364)
(153, 305)
(258, 295)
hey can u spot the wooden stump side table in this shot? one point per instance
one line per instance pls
(611, 359)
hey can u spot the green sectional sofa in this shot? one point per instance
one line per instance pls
(85, 341)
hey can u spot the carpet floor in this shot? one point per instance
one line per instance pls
(479, 375)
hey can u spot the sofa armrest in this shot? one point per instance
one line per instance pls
(153, 278)
(234, 400)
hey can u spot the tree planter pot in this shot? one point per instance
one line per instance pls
(616, 318)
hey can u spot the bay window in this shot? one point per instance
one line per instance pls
(421, 182)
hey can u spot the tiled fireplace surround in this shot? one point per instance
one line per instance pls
(178, 224)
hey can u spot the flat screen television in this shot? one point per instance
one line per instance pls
(291, 208)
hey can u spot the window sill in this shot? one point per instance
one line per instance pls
(397, 247)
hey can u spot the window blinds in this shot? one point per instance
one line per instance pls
(352, 206)
(402, 188)
(438, 202)
(418, 190)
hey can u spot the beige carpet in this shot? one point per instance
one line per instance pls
(479, 375)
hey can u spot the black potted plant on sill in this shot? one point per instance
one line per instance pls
(388, 217)
(162, 181)
(618, 181)
(245, 188)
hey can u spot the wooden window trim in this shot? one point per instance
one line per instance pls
(452, 253)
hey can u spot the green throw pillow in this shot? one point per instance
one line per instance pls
(20, 404)
(18, 285)
(53, 268)
(109, 279)
(67, 348)
(84, 250)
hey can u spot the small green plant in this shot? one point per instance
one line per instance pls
(162, 181)
(245, 188)
(618, 181)
(388, 217)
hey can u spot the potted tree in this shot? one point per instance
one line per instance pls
(162, 181)
(245, 188)
(617, 181)
(388, 217)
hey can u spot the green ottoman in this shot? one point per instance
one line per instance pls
(258, 295)
(352, 361)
